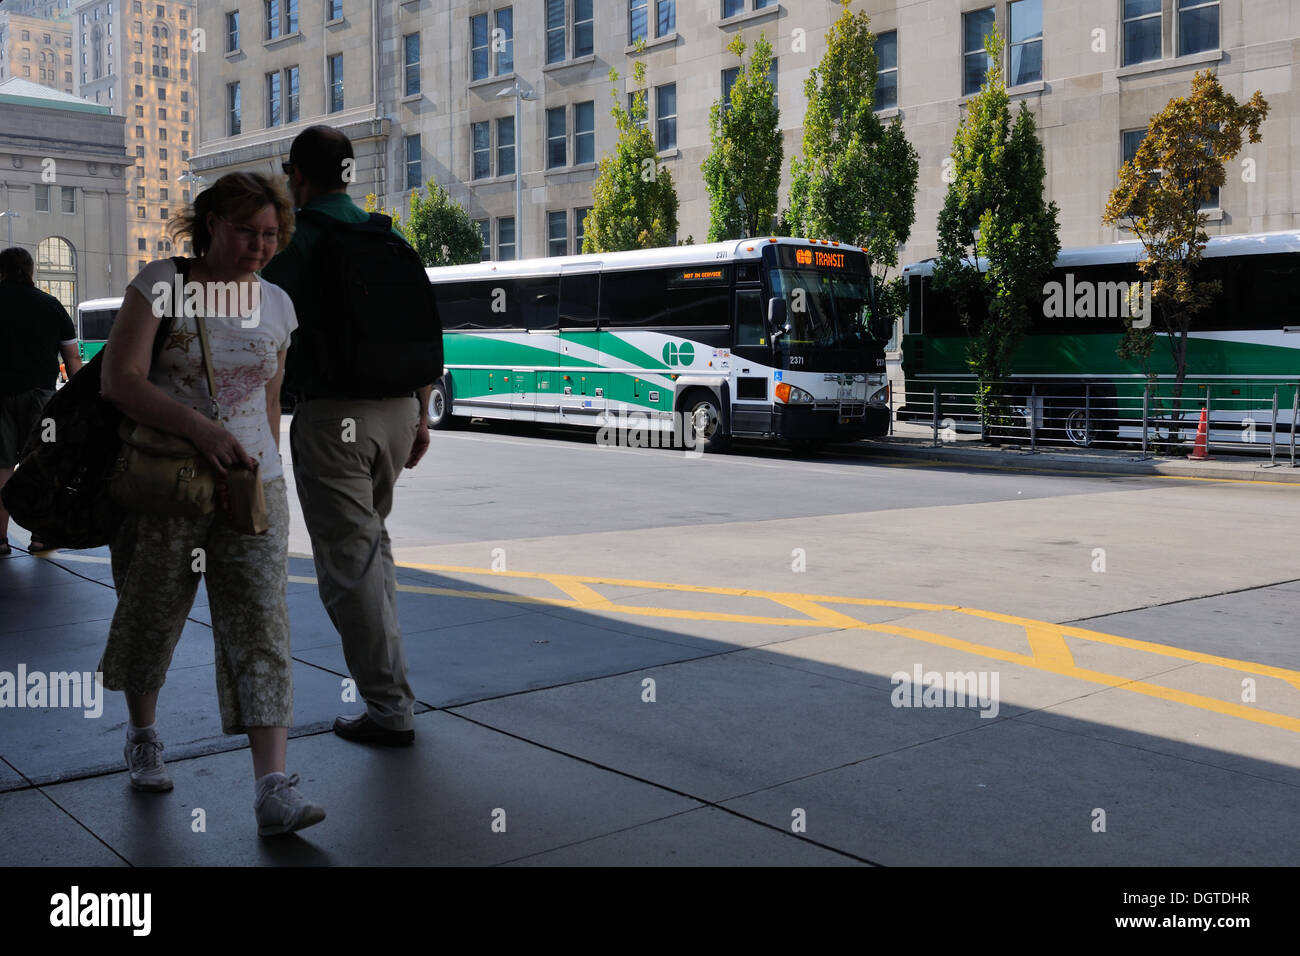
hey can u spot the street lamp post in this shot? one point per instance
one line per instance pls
(519, 93)
(9, 216)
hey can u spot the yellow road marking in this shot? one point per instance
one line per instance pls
(1048, 649)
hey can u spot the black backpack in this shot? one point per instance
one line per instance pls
(60, 490)
(367, 322)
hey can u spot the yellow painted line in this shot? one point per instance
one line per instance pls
(1049, 652)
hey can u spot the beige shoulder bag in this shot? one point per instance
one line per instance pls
(159, 473)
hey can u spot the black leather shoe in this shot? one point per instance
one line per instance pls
(363, 730)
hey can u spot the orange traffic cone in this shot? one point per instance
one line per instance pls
(1201, 450)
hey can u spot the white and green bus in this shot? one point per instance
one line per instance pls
(1243, 353)
(763, 338)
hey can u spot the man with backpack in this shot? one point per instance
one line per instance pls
(361, 364)
(35, 329)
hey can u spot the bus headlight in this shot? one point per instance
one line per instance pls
(792, 395)
(879, 396)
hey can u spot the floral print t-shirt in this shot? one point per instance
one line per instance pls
(244, 359)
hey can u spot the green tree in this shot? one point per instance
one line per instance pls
(855, 180)
(437, 227)
(998, 237)
(634, 202)
(743, 169)
(1160, 196)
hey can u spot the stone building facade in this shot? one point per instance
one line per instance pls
(419, 86)
(38, 49)
(63, 181)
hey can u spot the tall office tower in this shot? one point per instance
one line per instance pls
(136, 58)
(37, 48)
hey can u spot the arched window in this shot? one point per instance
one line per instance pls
(56, 271)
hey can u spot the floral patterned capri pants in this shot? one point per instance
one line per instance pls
(154, 571)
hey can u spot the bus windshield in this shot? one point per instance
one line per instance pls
(825, 310)
(96, 324)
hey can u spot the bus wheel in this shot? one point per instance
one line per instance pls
(440, 416)
(1078, 430)
(702, 415)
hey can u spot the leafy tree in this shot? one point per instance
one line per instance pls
(1160, 196)
(743, 170)
(995, 275)
(437, 227)
(855, 181)
(634, 202)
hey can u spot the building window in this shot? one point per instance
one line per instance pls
(638, 23)
(665, 17)
(506, 238)
(336, 82)
(141, 244)
(42, 198)
(334, 10)
(579, 229)
(556, 137)
(583, 28)
(975, 26)
(729, 78)
(506, 146)
(1026, 42)
(232, 32)
(272, 18)
(56, 271)
(666, 117)
(291, 16)
(485, 233)
(1198, 26)
(414, 176)
(273, 99)
(68, 195)
(1141, 31)
(290, 95)
(584, 132)
(887, 70)
(557, 234)
(412, 52)
(478, 47)
(505, 20)
(233, 125)
(481, 135)
(139, 192)
(554, 31)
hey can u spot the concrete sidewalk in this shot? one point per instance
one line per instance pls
(915, 442)
(552, 732)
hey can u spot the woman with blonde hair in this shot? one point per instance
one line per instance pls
(236, 226)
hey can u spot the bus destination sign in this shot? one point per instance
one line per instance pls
(803, 258)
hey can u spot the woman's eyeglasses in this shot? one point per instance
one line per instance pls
(249, 234)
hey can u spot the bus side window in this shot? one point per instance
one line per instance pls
(914, 305)
(579, 295)
(751, 329)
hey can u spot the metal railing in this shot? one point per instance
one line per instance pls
(1241, 416)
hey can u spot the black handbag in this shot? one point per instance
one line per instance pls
(59, 491)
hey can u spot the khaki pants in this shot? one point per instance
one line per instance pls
(347, 455)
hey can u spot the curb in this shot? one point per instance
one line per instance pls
(1022, 461)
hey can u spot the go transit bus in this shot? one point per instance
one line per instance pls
(764, 338)
(1243, 351)
(94, 321)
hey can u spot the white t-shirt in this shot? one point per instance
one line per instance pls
(243, 359)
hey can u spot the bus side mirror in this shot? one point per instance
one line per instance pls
(778, 319)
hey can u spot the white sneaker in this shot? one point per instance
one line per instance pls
(145, 764)
(281, 808)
